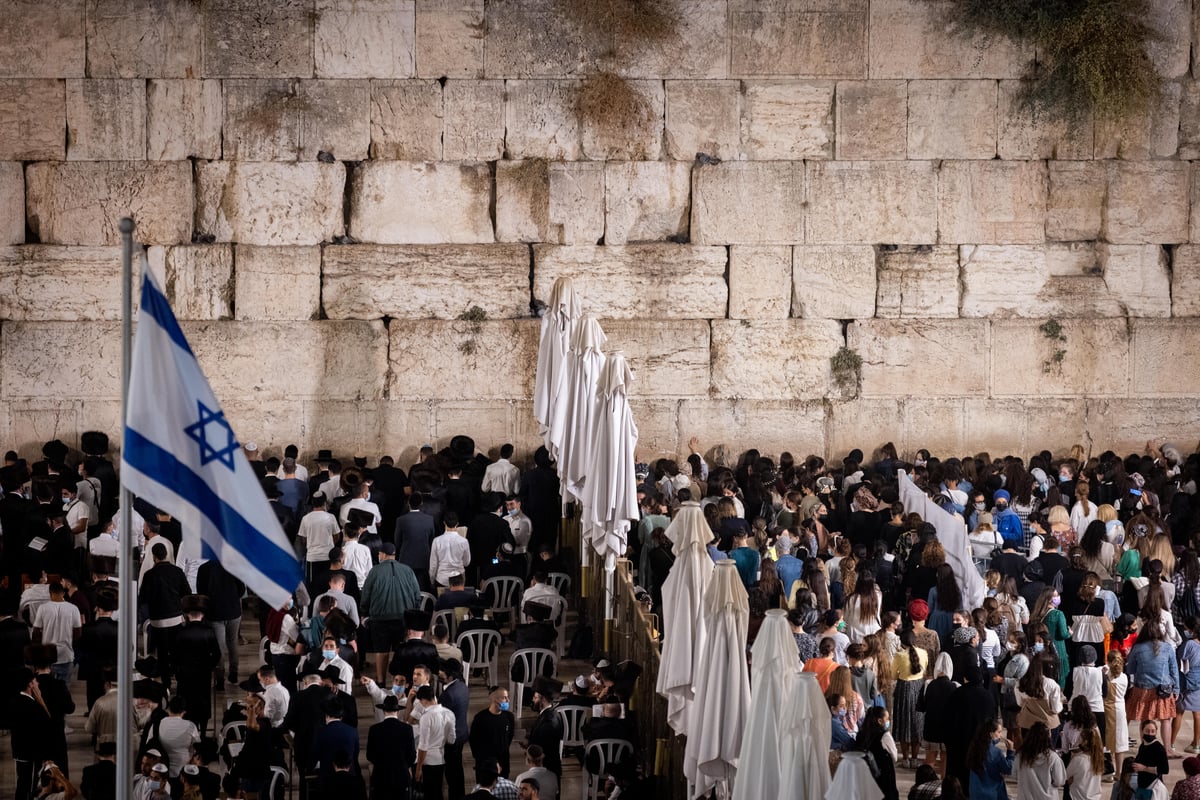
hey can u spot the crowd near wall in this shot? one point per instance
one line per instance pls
(328, 187)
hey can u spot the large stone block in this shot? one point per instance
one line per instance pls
(760, 281)
(33, 120)
(406, 120)
(915, 358)
(871, 120)
(1126, 425)
(669, 358)
(774, 360)
(787, 120)
(658, 427)
(144, 39)
(871, 202)
(449, 39)
(415, 282)
(1028, 425)
(1189, 121)
(277, 283)
(12, 203)
(106, 120)
(651, 281)
(917, 39)
(1159, 342)
(1075, 203)
(198, 280)
(489, 422)
(986, 202)
(646, 201)
(1139, 278)
(1185, 281)
(631, 128)
(474, 122)
(273, 427)
(183, 120)
(1035, 281)
(270, 203)
(952, 119)
(774, 426)
(289, 120)
(42, 360)
(918, 282)
(547, 201)
(799, 37)
(1147, 203)
(404, 202)
(247, 39)
(1151, 134)
(1087, 357)
(704, 117)
(364, 38)
(1170, 48)
(467, 360)
(833, 281)
(42, 40)
(910, 424)
(1028, 134)
(41, 282)
(533, 39)
(540, 120)
(82, 203)
(748, 203)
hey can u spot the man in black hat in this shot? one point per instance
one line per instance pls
(331, 678)
(336, 734)
(14, 509)
(414, 650)
(486, 532)
(456, 697)
(391, 751)
(100, 779)
(315, 479)
(33, 731)
(476, 619)
(539, 631)
(390, 481)
(95, 446)
(197, 653)
(304, 718)
(161, 592)
(547, 729)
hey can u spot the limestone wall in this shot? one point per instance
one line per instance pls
(326, 185)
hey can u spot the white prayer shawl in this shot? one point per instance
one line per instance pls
(853, 780)
(722, 687)
(683, 619)
(806, 733)
(953, 536)
(610, 493)
(776, 663)
(573, 427)
(550, 379)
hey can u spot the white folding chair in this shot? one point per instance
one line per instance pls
(607, 751)
(506, 595)
(280, 779)
(481, 650)
(572, 718)
(428, 601)
(533, 663)
(561, 582)
(264, 650)
(445, 617)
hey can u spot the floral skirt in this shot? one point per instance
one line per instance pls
(1143, 704)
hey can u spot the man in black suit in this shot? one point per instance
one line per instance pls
(391, 481)
(32, 727)
(304, 718)
(547, 729)
(608, 726)
(486, 532)
(14, 636)
(413, 538)
(97, 647)
(391, 752)
(162, 591)
(197, 654)
(100, 779)
(335, 735)
(414, 650)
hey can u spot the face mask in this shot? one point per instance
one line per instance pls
(397, 690)
(512, 512)
(979, 506)
(1038, 647)
(1147, 738)
(841, 713)
(1011, 646)
(66, 502)
(887, 726)
(287, 606)
(1001, 506)
(1055, 601)
(329, 655)
(504, 706)
(841, 626)
(1064, 478)
(155, 785)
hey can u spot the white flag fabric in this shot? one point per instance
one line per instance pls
(181, 455)
(953, 536)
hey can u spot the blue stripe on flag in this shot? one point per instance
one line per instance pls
(278, 565)
(156, 306)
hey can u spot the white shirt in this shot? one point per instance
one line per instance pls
(276, 701)
(105, 545)
(357, 558)
(88, 490)
(434, 732)
(301, 473)
(541, 593)
(502, 476)
(365, 505)
(288, 631)
(77, 513)
(177, 736)
(522, 530)
(450, 555)
(331, 488)
(318, 529)
(57, 620)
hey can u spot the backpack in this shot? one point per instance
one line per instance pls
(1009, 528)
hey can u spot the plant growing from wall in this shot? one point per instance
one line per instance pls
(474, 317)
(1091, 54)
(846, 366)
(1052, 330)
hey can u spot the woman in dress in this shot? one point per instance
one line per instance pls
(1087, 618)
(1116, 724)
(863, 607)
(923, 637)
(1154, 681)
(1151, 762)
(944, 599)
(909, 667)
(1046, 612)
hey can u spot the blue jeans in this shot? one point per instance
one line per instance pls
(62, 671)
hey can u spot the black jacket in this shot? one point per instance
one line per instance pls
(224, 591)
(99, 781)
(547, 733)
(392, 752)
(161, 591)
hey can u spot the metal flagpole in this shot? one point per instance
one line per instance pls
(125, 610)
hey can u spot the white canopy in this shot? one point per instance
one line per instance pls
(557, 324)
(775, 664)
(953, 536)
(806, 735)
(573, 427)
(610, 492)
(853, 780)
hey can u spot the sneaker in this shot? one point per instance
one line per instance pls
(1192, 748)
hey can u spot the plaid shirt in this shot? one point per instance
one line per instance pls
(504, 789)
(926, 791)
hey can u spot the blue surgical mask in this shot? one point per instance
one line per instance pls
(887, 726)
(155, 785)
(504, 706)
(329, 655)
(841, 713)
(1038, 647)
(397, 690)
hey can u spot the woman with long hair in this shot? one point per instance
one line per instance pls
(769, 583)
(989, 759)
(870, 740)
(814, 577)
(1046, 612)
(1189, 679)
(1083, 513)
(1156, 607)
(1040, 772)
(1039, 695)
(944, 599)
(1087, 618)
(909, 667)
(1187, 584)
(1086, 766)
(880, 660)
(841, 682)
(1154, 678)
(863, 607)
(1116, 724)
(1099, 555)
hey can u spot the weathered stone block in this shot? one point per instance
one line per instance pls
(40, 282)
(952, 119)
(787, 120)
(1028, 134)
(144, 39)
(106, 120)
(669, 358)
(852, 202)
(198, 280)
(1138, 278)
(632, 133)
(540, 120)
(992, 201)
(449, 38)
(1185, 281)
(1151, 134)
(490, 422)
(799, 37)
(42, 40)
(652, 281)
(657, 424)
(403, 202)
(364, 38)
(918, 282)
(833, 281)
(288, 120)
(646, 201)
(774, 360)
(1075, 206)
(1028, 425)
(696, 45)
(760, 282)
(1170, 49)
(774, 426)
(246, 39)
(908, 423)
(33, 120)
(474, 121)
(482, 360)
(406, 120)
(1147, 203)
(1126, 425)
(277, 283)
(533, 39)
(415, 282)
(41, 360)
(703, 117)
(270, 203)
(1088, 357)
(916, 39)
(1035, 281)
(871, 120)
(183, 120)
(82, 203)
(748, 203)
(915, 358)
(1189, 121)
(12, 203)
(1158, 342)
(274, 427)
(546, 201)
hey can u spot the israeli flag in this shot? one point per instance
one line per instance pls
(180, 455)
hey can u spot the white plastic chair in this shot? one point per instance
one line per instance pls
(558, 618)
(445, 617)
(428, 601)
(279, 777)
(608, 751)
(533, 660)
(561, 582)
(572, 718)
(264, 650)
(481, 650)
(506, 596)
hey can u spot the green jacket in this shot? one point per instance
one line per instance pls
(390, 590)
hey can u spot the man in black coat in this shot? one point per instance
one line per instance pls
(414, 650)
(100, 779)
(547, 729)
(196, 654)
(975, 706)
(486, 532)
(391, 752)
(305, 716)
(391, 481)
(161, 593)
(32, 732)
(97, 647)
(224, 614)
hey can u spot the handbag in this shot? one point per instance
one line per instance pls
(1164, 690)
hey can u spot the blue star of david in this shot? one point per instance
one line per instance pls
(200, 433)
